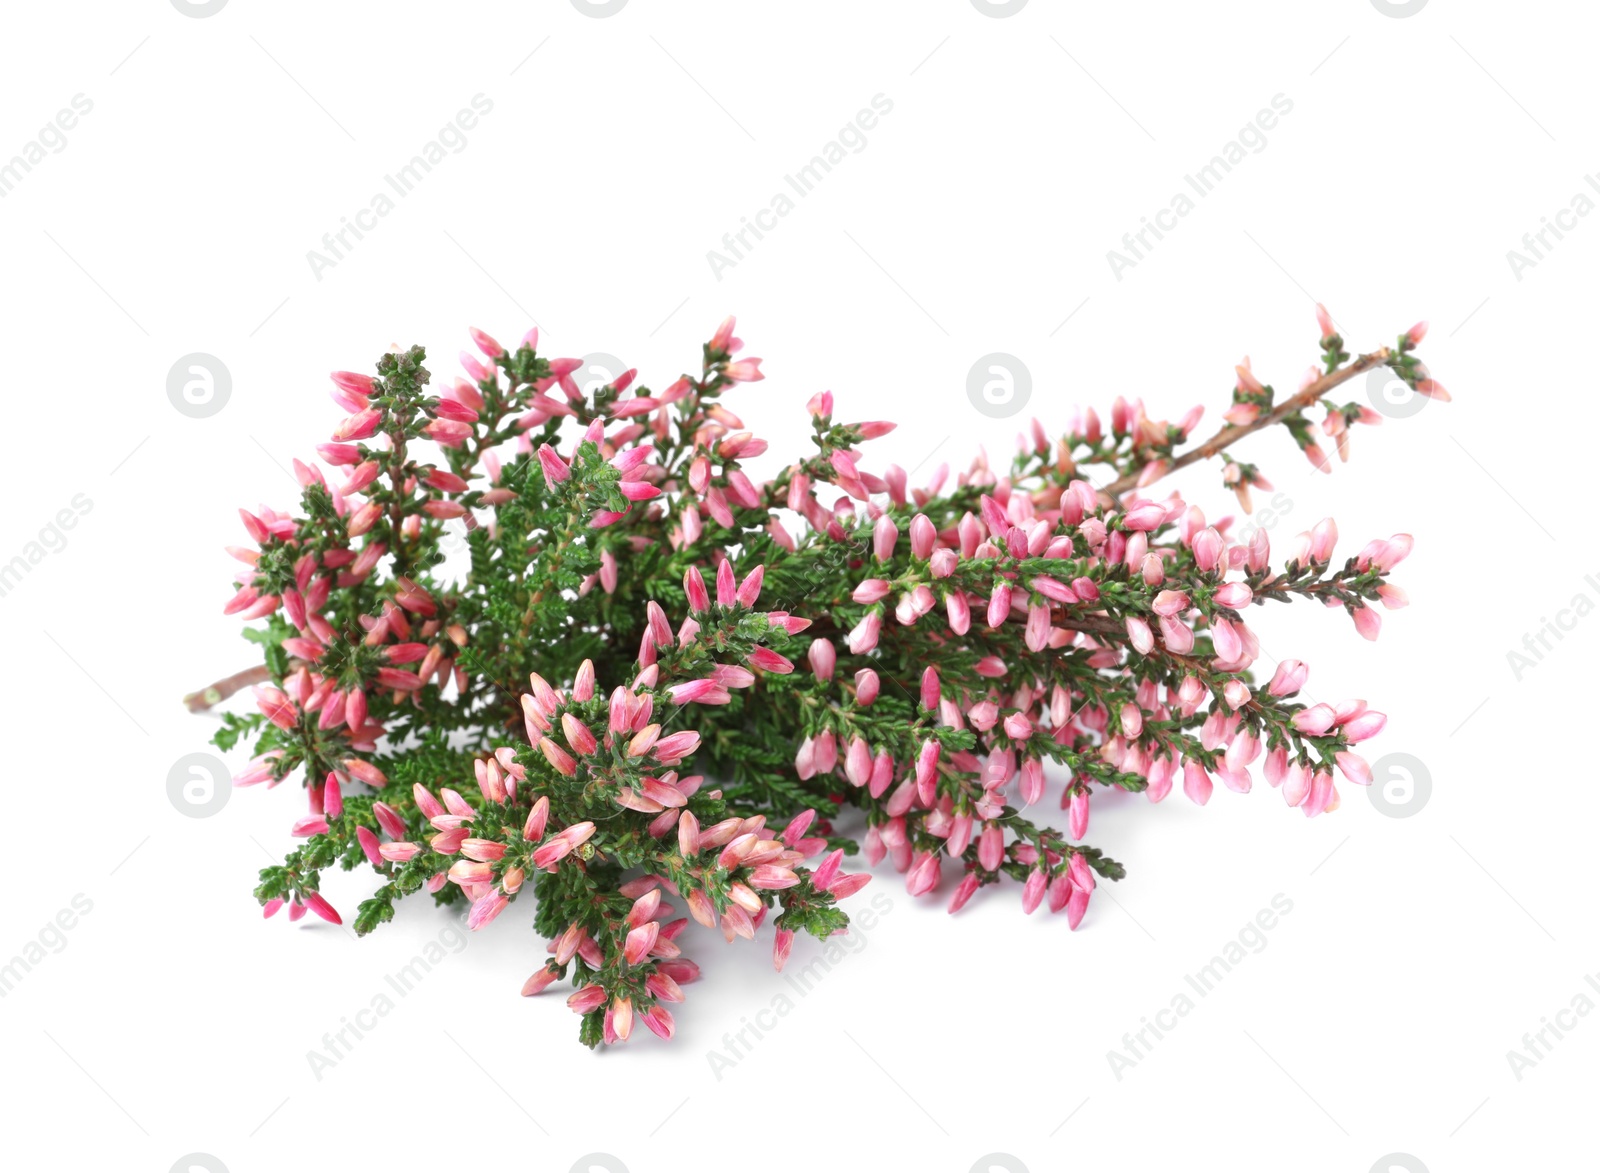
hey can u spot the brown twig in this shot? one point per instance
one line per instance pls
(212, 694)
(1231, 433)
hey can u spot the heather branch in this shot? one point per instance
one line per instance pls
(956, 639)
(1232, 433)
(214, 694)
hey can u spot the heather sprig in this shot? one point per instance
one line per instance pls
(509, 655)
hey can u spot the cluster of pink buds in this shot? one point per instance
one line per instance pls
(940, 657)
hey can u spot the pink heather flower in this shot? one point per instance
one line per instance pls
(1032, 781)
(1036, 632)
(1176, 636)
(555, 469)
(560, 760)
(279, 709)
(359, 426)
(1225, 639)
(1033, 890)
(869, 591)
(746, 370)
(315, 902)
(1393, 597)
(355, 384)
(1196, 783)
(1325, 323)
(958, 613)
(1354, 767)
(1207, 546)
(677, 747)
(1323, 537)
(449, 432)
(822, 659)
(1245, 379)
(488, 345)
(695, 587)
(1370, 723)
(1170, 603)
(1234, 595)
(863, 637)
(1078, 813)
(924, 874)
(1315, 721)
(769, 661)
(1384, 555)
(538, 816)
(1289, 679)
(1077, 905)
(884, 536)
(1144, 517)
(369, 846)
(727, 584)
(964, 892)
(541, 980)
(750, 589)
(999, 604)
(1296, 784)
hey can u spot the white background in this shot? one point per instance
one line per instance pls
(177, 219)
